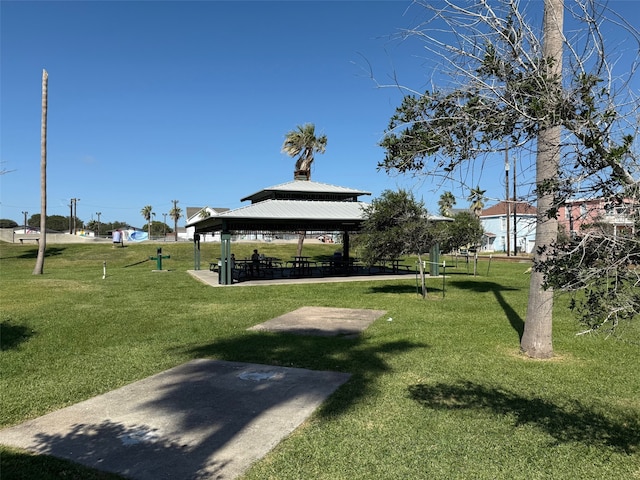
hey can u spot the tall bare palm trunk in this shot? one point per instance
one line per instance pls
(42, 244)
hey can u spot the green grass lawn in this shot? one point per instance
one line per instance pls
(438, 392)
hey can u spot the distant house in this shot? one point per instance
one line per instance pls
(194, 214)
(577, 213)
(494, 222)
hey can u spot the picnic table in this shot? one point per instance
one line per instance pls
(301, 266)
(393, 264)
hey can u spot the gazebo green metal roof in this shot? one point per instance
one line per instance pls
(295, 206)
(300, 205)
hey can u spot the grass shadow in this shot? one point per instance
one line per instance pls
(13, 335)
(339, 354)
(49, 252)
(574, 423)
(18, 464)
(515, 320)
(137, 263)
(432, 292)
(399, 289)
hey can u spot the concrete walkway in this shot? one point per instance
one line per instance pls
(205, 419)
(211, 278)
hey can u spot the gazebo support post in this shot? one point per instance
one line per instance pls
(225, 256)
(345, 251)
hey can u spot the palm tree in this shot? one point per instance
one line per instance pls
(175, 213)
(146, 212)
(42, 244)
(476, 197)
(303, 143)
(446, 203)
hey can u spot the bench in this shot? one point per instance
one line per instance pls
(36, 239)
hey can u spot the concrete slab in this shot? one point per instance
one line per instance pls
(322, 321)
(203, 419)
(211, 278)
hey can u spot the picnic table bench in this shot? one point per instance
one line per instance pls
(29, 238)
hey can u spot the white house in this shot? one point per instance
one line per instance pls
(195, 213)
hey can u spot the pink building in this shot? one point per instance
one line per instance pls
(575, 213)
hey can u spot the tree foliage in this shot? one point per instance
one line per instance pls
(508, 86)
(465, 230)
(476, 198)
(176, 214)
(147, 212)
(7, 223)
(390, 226)
(445, 203)
(396, 224)
(304, 144)
(601, 272)
(56, 223)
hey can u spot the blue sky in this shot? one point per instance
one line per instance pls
(154, 101)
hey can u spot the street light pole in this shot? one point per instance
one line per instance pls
(98, 214)
(164, 227)
(74, 212)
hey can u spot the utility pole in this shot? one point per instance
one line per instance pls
(98, 214)
(506, 183)
(71, 216)
(515, 208)
(25, 221)
(74, 213)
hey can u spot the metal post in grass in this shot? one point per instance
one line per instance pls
(196, 251)
(444, 274)
(489, 266)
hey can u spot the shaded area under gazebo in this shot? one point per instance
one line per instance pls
(296, 206)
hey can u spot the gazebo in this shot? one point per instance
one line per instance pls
(299, 205)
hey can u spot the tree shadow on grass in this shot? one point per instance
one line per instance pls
(396, 289)
(13, 335)
(33, 253)
(404, 289)
(339, 354)
(574, 423)
(25, 465)
(214, 405)
(516, 321)
(105, 444)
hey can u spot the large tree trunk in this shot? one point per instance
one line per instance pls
(537, 337)
(42, 244)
